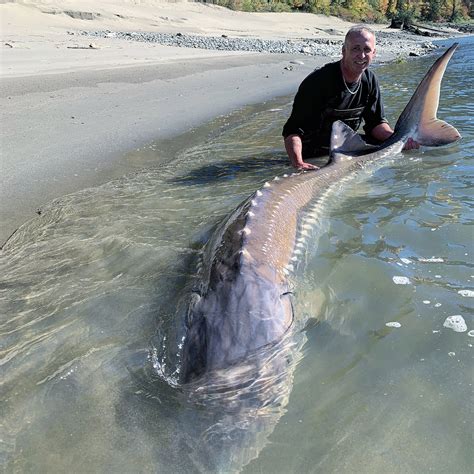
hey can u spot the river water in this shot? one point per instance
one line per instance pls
(88, 290)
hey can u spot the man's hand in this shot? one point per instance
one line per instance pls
(411, 144)
(294, 148)
(383, 132)
(305, 166)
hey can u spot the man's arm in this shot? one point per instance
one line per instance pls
(383, 131)
(307, 103)
(294, 148)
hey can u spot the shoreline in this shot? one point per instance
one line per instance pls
(94, 118)
(74, 106)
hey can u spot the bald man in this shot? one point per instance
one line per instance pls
(344, 90)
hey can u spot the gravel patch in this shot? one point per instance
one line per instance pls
(390, 43)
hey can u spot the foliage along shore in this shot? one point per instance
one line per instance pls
(459, 13)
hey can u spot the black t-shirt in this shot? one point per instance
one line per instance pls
(323, 98)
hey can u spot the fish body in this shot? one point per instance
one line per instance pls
(243, 299)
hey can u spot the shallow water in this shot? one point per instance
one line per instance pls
(86, 287)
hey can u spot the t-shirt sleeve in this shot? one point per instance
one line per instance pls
(374, 113)
(304, 105)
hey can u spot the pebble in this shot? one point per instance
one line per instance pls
(389, 42)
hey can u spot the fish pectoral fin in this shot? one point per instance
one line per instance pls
(436, 132)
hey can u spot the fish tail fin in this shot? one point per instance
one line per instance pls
(419, 116)
(436, 132)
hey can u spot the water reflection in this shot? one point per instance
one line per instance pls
(230, 170)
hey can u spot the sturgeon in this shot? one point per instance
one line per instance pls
(243, 299)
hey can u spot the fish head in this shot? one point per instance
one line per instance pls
(233, 320)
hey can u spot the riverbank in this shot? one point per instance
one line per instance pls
(73, 104)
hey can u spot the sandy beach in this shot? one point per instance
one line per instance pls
(73, 105)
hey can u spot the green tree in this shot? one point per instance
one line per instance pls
(402, 12)
(431, 10)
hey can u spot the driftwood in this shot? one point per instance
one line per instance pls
(416, 28)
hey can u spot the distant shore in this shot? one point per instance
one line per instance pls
(73, 105)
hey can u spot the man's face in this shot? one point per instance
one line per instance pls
(358, 52)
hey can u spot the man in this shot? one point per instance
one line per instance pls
(345, 90)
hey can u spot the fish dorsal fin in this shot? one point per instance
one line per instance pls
(423, 107)
(344, 141)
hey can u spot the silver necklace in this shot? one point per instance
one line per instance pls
(347, 87)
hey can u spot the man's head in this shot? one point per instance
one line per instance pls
(358, 51)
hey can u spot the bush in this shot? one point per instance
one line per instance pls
(373, 16)
(319, 6)
(402, 12)
(278, 7)
(254, 5)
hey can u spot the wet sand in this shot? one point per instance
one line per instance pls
(64, 132)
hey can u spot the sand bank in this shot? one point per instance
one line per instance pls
(72, 106)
